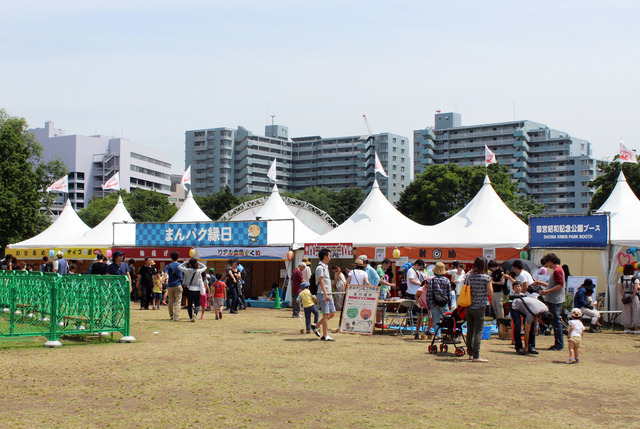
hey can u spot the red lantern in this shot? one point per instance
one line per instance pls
(290, 255)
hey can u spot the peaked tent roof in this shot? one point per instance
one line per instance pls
(281, 232)
(106, 233)
(623, 206)
(67, 230)
(189, 212)
(378, 223)
(485, 222)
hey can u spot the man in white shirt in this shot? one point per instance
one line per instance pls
(414, 279)
(325, 300)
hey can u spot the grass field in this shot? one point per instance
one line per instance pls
(214, 374)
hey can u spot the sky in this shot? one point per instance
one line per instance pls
(150, 70)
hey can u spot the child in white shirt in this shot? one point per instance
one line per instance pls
(576, 329)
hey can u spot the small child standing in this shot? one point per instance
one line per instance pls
(157, 290)
(219, 292)
(309, 305)
(576, 329)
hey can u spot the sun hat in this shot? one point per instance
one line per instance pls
(576, 312)
(439, 269)
(358, 263)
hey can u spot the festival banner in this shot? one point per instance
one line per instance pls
(156, 253)
(202, 234)
(338, 250)
(60, 185)
(261, 253)
(442, 254)
(569, 231)
(87, 253)
(359, 312)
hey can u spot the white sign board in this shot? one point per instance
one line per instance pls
(359, 312)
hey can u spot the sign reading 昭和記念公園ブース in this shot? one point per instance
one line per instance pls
(569, 231)
(202, 234)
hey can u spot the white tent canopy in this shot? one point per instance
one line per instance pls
(378, 223)
(106, 233)
(624, 208)
(67, 230)
(485, 222)
(189, 212)
(282, 222)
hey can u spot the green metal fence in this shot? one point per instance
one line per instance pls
(47, 304)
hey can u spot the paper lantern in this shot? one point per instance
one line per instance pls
(524, 255)
(290, 255)
(51, 253)
(192, 252)
(109, 253)
(396, 253)
(621, 269)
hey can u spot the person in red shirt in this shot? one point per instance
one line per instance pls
(219, 290)
(296, 279)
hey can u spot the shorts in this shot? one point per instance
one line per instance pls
(326, 307)
(157, 295)
(576, 341)
(218, 303)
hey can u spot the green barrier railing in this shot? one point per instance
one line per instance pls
(50, 305)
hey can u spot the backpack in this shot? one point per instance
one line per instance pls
(313, 286)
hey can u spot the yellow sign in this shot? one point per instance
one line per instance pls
(69, 252)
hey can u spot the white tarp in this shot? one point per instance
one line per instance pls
(106, 234)
(67, 230)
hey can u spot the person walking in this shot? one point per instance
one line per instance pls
(438, 295)
(145, 282)
(232, 279)
(554, 296)
(339, 283)
(325, 300)
(296, 281)
(173, 277)
(481, 289)
(628, 287)
(192, 272)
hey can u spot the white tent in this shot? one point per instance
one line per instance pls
(67, 230)
(485, 222)
(624, 231)
(283, 224)
(378, 223)
(106, 233)
(189, 212)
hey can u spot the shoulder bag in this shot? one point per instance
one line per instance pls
(464, 300)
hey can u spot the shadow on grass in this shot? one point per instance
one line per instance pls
(25, 343)
(304, 340)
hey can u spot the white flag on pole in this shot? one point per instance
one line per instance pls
(60, 185)
(379, 168)
(626, 154)
(489, 157)
(113, 182)
(186, 178)
(271, 174)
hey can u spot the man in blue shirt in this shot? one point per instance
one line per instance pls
(118, 267)
(61, 266)
(173, 276)
(373, 276)
(581, 301)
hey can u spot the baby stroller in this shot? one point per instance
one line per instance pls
(450, 332)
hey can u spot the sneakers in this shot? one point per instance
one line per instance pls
(556, 348)
(327, 338)
(308, 331)
(533, 351)
(221, 315)
(314, 328)
(521, 352)
(572, 360)
(193, 319)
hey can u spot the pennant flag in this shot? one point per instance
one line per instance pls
(379, 168)
(489, 157)
(113, 182)
(626, 154)
(186, 178)
(60, 185)
(271, 174)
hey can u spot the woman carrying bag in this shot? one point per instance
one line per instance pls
(192, 280)
(479, 282)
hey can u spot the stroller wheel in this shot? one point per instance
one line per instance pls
(464, 352)
(433, 349)
(443, 348)
(458, 352)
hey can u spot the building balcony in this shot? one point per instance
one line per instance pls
(521, 134)
(522, 145)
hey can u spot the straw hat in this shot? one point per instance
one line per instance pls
(359, 263)
(439, 269)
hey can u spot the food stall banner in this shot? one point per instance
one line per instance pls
(359, 311)
(202, 234)
(157, 253)
(264, 253)
(338, 250)
(69, 252)
(569, 231)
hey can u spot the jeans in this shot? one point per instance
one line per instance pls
(555, 309)
(174, 301)
(436, 314)
(517, 317)
(193, 300)
(296, 305)
(475, 326)
(144, 298)
(307, 316)
(233, 296)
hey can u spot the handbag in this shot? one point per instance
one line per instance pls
(627, 299)
(464, 300)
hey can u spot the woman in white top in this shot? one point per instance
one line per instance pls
(358, 276)
(192, 279)
(628, 289)
(457, 273)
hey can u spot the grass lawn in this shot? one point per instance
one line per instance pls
(213, 374)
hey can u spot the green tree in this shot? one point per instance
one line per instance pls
(442, 190)
(605, 183)
(143, 206)
(217, 204)
(23, 180)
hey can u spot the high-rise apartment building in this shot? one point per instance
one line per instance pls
(92, 160)
(549, 165)
(236, 158)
